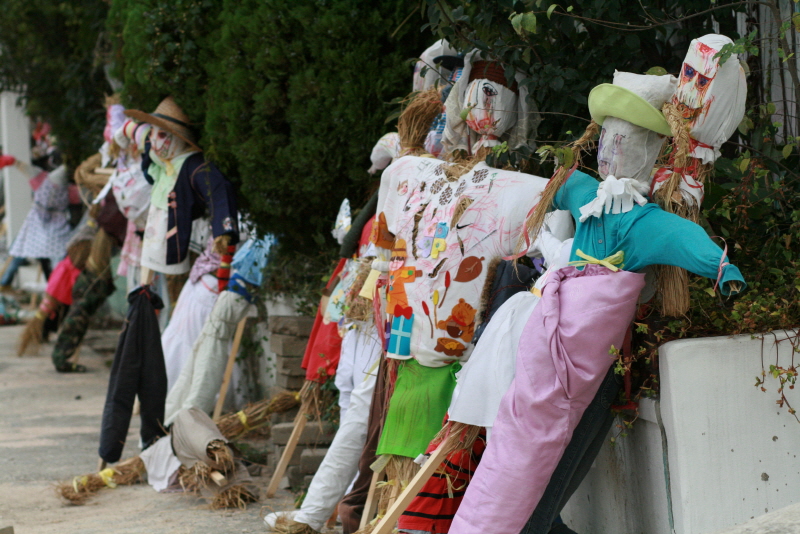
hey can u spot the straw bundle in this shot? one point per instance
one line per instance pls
(283, 525)
(415, 121)
(32, 336)
(256, 415)
(673, 282)
(233, 497)
(399, 472)
(87, 178)
(457, 436)
(536, 220)
(125, 473)
(220, 454)
(193, 479)
(357, 308)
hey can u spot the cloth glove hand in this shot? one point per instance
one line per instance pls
(615, 196)
(6, 160)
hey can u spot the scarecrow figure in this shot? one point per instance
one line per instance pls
(185, 185)
(455, 220)
(585, 308)
(201, 375)
(703, 113)
(45, 232)
(362, 340)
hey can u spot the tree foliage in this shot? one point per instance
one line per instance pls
(48, 54)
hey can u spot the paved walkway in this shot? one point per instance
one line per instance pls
(49, 432)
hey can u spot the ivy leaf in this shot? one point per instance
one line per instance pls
(710, 291)
(551, 9)
(746, 125)
(787, 151)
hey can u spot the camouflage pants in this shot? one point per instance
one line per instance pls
(88, 294)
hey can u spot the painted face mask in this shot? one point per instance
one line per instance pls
(492, 110)
(166, 145)
(627, 151)
(710, 97)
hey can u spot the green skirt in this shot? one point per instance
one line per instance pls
(417, 408)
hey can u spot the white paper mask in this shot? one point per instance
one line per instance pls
(711, 98)
(166, 145)
(627, 151)
(492, 110)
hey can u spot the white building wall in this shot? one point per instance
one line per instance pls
(15, 140)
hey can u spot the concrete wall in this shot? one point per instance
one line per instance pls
(15, 140)
(722, 453)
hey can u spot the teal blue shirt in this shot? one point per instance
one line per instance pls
(647, 235)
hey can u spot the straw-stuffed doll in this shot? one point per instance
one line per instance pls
(201, 376)
(703, 113)
(45, 232)
(91, 288)
(355, 377)
(585, 308)
(194, 305)
(185, 185)
(132, 192)
(445, 225)
(362, 341)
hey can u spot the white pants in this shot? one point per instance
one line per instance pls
(201, 376)
(341, 461)
(188, 317)
(357, 356)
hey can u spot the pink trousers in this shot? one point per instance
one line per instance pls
(562, 358)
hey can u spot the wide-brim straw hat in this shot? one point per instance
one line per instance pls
(608, 100)
(170, 117)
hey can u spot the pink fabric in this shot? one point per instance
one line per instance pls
(562, 358)
(59, 285)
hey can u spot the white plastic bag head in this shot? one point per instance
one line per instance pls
(492, 110)
(343, 222)
(385, 151)
(518, 127)
(711, 96)
(167, 145)
(426, 73)
(626, 150)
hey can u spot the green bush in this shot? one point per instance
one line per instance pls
(48, 52)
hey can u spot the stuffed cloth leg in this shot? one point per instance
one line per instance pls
(358, 355)
(138, 370)
(201, 377)
(563, 358)
(190, 314)
(88, 294)
(341, 461)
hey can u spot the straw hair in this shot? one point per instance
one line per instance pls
(673, 282)
(535, 222)
(86, 177)
(78, 253)
(170, 117)
(100, 254)
(457, 437)
(415, 121)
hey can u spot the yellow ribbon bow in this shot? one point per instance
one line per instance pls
(107, 475)
(613, 262)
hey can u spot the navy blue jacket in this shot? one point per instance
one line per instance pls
(200, 188)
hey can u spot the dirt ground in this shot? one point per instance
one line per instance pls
(49, 432)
